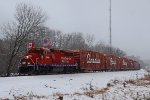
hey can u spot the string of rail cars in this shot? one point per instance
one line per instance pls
(43, 60)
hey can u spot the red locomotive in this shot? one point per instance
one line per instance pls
(43, 60)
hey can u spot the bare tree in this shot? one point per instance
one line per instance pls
(118, 52)
(16, 33)
(73, 41)
(103, 48)
(99, 47)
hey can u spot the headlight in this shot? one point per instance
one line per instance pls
(27, 57)
(23, 62)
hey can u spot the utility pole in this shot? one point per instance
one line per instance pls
(110, 35)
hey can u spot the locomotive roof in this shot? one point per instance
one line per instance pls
(39, 48)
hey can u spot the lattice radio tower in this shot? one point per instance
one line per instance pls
(110, 32)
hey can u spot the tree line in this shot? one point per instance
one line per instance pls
(29, 25)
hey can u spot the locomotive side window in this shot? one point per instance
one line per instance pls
(68, 54)
(46, 52)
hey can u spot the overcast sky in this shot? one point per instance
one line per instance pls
(130, 20)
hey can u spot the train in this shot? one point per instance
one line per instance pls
(43, 60)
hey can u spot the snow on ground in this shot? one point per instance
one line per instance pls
(48, 86)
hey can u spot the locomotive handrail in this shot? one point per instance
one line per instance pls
(32, 60)
(37, 68)
(33, 63)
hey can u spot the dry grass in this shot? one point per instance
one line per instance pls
(141, 81)
(30, 97)
(131, 82)
(115, 82)
(109, 85)
(77, 93)
(88, 91)
(58, 94)
(4, 98)
(97, 91)
(101, 91)
(146, 77)
(89, 94)
(93, 92)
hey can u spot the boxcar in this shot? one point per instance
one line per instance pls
(112, 62)
(90, 61)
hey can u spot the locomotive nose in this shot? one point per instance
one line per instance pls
(28, 56)
(27, 60)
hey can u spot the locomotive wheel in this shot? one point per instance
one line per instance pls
(69, 69)
(50, 69)
(43, 70)
(65, 70)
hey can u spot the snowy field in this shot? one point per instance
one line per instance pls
(47, 87)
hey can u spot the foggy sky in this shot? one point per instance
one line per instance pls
(130, 20)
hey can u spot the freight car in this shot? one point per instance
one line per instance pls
(43, 60)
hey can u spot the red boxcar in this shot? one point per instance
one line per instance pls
(119, 62)
(136, 65)
(112, 62)
(90, 61)
(124, 63)
(130, 64)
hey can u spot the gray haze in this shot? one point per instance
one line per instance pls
(130, 20)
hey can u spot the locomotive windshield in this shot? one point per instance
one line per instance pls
(36, 51)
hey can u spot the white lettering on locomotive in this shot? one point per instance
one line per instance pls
(92, 60)
(47, 57)
(124, 63)
(113, 62)
(65, 59)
